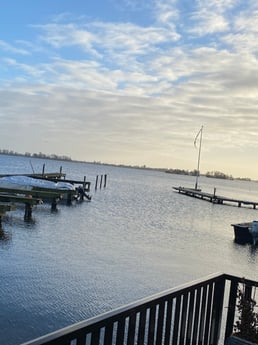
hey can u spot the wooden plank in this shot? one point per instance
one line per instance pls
(35, 193)
(19, 199)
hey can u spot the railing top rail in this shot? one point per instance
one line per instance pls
(241, 279)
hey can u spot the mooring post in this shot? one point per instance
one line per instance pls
(96, 183)
(54, 205)
(43, 170)
(69, 198)
(105, 180)
(28, 211)
(101, 178)
(84, 183)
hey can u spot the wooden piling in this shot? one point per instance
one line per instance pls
(28, 211)
(105, 180)
(96, 183)
(54, 205)
(101, 178)
(43, 170)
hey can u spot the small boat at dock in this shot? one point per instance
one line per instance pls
(29, 183)
(246, 232)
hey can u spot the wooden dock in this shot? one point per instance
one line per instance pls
(214, 198)
(8, 202)
(9, 197)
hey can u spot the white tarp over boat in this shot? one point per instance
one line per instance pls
(27, 183)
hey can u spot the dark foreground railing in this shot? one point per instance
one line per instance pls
(202, 312)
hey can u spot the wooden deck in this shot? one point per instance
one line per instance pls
(214, 198)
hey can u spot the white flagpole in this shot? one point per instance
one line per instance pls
(199, 156)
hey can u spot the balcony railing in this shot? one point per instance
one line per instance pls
(201, 312)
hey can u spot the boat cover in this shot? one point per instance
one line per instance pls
(27, 183)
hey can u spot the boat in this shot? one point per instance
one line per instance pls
(20, 182)
(246, 232)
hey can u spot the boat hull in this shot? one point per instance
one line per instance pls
(242, 232)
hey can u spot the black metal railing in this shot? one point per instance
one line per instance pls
(201, 312)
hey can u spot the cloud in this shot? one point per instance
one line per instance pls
(124, 90)
(7, 47)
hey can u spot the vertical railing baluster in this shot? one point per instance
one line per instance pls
(196, 317)
(183, 318)
(203, 314)
(168, 321)
(142, 327)
(160, 323)
(108, 334)
(190, 317)
(95, 337)
(208, 314)
(131, 330)
(176, 320)
(152, 319)
(81, 339)
(120, 334)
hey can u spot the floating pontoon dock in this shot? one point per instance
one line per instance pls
(215, 199)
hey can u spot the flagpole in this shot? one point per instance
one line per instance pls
(199, 156)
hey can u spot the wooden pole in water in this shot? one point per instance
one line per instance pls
(28, 212)
(101, 178)
(105, 180)
(43, 170)
(84, 183)
(96, 183)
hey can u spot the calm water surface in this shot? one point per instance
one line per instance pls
(135, 238)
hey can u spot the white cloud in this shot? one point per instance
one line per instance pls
(7, 47)
(126, 90)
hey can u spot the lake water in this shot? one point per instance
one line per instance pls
(135, 238)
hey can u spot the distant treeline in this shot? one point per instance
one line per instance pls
(182, 172)
(218, 174)
(35, 155)
(212, 174)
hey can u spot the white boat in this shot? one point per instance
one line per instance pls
(29, 183)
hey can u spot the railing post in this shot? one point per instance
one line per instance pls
(219, 290)
(231, 308)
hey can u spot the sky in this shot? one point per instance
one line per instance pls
(132, 81)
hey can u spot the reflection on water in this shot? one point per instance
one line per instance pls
(135, 238)
(253, 254)
(4, 236)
